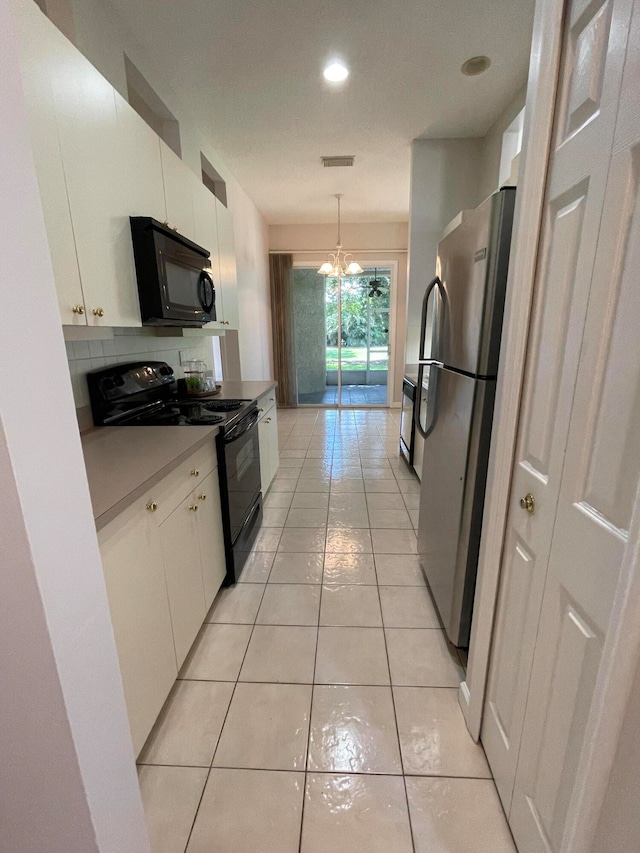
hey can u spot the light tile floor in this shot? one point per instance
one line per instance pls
(317, 711)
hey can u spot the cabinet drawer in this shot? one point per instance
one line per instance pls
(169, 493)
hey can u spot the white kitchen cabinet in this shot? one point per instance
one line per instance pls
(140, 183)
(92, 155)
(228, 273)
(206, 235)
(268, 440)
(178, 192)
(210, 536)
(139, 605)
(183, 572)
(42, 50)
(164, 562)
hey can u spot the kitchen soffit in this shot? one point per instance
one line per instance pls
(252, 73)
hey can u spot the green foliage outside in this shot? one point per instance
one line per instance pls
(355, 358)
(356, 304)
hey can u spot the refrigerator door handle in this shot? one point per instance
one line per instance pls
(435, 282)
(432, 399)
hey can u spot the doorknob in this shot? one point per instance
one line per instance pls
(528, 502)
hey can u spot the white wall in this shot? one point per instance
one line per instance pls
(385, 241)
(491, 146)
(444, 180)
(101, 35)
(68, 773)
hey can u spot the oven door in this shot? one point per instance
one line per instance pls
(242, 463)
(188, 290)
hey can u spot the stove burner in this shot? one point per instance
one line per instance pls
(224, 405)
(205, 420)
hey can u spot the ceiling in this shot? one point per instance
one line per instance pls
(252, 72)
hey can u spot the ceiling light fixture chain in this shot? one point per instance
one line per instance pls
(339, 263)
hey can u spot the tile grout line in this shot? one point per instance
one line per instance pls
(233, 692)
(395, 713)
(313, 678)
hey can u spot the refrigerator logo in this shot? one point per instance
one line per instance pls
(480, 255)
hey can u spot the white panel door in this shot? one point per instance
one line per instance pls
(41, 47)
(592, 64)
(210, 536)
(597, 491)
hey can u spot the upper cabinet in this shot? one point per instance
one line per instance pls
(228, 275)
(42, 52)
(178, 192)
(98, 163)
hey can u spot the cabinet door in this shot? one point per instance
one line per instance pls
(274, 450)
(210, 536)
(206, 235)
(92, 156)
(137, 592)
(228, 274)
(183, 570)
(41, 45)
(141, 188)
(178, 192)
(265, 454)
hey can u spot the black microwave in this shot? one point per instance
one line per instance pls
(175, 280)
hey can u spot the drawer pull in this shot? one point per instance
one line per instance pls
(98, 312)
(193, 508)
(261, 410)
(78, 309)
(152, 506)
(195, 473)
(267, 420)
(202, 497)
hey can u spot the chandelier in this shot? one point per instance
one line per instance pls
(339, 264)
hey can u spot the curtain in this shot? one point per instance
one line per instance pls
(284, 365)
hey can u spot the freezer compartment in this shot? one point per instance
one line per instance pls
(454, 470)
(467, 308)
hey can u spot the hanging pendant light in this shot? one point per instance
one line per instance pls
(339, 263)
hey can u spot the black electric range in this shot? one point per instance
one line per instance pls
(147, 393)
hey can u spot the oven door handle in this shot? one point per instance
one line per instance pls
(240, 429)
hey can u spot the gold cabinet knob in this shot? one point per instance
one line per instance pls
(202, 497)
(261, 410)
(193, 508)
(195, 473)
(78, 309)
(528, 502)
(152, 506)
(267, 420)
(272, 399)
(98, 312)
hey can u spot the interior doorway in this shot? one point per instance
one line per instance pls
(341, 337)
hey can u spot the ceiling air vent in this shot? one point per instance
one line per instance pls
(338, 161)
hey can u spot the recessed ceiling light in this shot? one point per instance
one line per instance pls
(476, 65)
(336, 72)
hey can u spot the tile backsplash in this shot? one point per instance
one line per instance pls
(129, 345)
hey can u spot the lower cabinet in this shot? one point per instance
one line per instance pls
(164, 562)
(210, 537)
(268, 438)
(135, 579)
(183, 571)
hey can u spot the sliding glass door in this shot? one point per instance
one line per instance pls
(341, 337)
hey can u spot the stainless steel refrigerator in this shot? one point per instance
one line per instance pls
(459, 350)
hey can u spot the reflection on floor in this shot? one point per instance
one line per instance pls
(352, 395)
(318, 710)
